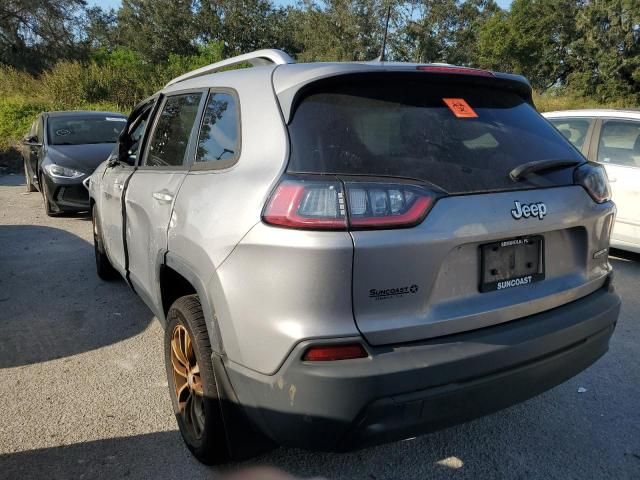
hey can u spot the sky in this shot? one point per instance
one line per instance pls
(107, 4)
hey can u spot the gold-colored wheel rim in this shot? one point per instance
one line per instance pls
(187, 381)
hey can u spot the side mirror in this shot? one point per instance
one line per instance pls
(31, 140)
(126, 157)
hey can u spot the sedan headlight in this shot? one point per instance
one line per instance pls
(58, 171)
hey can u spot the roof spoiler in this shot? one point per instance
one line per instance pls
(290, 92)
(257, 58)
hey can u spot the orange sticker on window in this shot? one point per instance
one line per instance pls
(460, 108)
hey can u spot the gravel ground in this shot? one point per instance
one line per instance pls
(84, 394)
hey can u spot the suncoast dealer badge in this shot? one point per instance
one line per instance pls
(396, 292)
(514, 282)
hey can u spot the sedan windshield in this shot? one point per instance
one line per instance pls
(82, 130)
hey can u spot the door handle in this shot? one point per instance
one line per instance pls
(162, 196)
(119, 186)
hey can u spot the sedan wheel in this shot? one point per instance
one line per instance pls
(28, 180)
(104, 268)
(48, 208)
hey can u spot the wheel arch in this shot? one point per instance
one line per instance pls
(244, 439)
(176, 280)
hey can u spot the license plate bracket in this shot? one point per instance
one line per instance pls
(511, 263)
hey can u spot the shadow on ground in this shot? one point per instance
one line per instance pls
(533, 440)
(52, 304)
(163, 453)
(626, 266)
(12, 180)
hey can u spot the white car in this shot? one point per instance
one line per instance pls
(612, 138)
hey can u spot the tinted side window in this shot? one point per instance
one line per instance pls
(136, 132)
(170, 138)
(620, 143)
(574, 129)
(219, 136)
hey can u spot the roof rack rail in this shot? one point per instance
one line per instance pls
(257, 58)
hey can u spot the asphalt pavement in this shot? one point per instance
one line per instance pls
(83, 391)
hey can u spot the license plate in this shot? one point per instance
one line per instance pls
(511, 263)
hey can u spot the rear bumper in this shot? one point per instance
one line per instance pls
(406, 390)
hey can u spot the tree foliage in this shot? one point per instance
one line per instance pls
(157, 28)
(441, 30)
(605, 54)
(534, 39)
(36, 33)
(588, 47)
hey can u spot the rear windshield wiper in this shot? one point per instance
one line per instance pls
(524, 170)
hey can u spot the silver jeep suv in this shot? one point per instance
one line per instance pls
(344, 254)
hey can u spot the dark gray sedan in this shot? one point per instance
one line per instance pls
(64, 148)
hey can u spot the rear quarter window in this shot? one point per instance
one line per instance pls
(219, 135)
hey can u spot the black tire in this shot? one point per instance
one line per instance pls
(103, 265)
(28, 180)
(48, 209)
(203, 434)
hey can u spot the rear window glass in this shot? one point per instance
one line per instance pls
(82, 130)
(404, 128)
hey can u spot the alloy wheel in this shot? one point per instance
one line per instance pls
(187, 381)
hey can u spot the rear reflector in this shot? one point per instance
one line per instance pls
(323, 205)
(454, 70)
(335, 352)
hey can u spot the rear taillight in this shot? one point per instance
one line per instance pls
(593, 177)
(332, 205)
(455, 70)
(383, 205)
(330, 353)
(313, 204)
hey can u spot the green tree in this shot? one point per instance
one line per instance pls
(251, 25)
(533, 39)
(441, 30)
(100, 28)
(205, 54)
(34, 34)
(606, 52)
(471, 17)
(426, 31)
(158, 28)
(340, 29)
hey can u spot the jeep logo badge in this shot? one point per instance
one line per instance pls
(529, 210)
